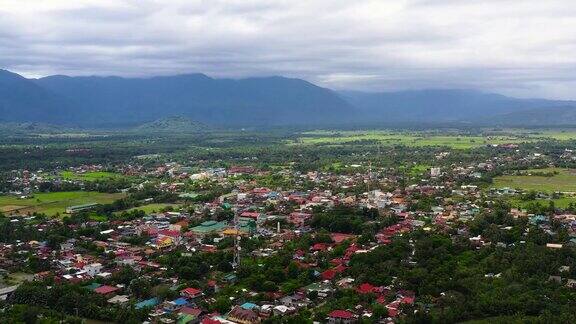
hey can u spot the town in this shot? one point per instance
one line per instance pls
(445, 235)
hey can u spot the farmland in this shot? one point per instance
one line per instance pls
(415, 139)
(54, 202)
(564, 180)
(449, 139)
(563, 202)
(90, 176)
(151, 208)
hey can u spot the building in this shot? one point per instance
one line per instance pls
(191, 293)
(341, 317)
(208, 227)
(79, 208)
(243, 316)
(93, 269)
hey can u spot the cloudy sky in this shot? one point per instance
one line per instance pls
(524, 48)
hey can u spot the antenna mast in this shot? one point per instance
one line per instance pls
(236, 261)
(369, 176)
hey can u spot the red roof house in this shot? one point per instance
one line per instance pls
(191, 292)
(105, 290)
(341, 316)
(328, 274)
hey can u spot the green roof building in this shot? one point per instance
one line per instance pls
(209, 227)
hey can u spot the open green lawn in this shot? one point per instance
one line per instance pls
(418, 169)
(564, 181)
(152, 208)
(90, 176)
(54, 202)
(453, 140)
(555, 134)
(15, 278)
(561, 202)
(408, 139)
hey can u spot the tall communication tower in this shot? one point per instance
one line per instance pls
(236, 260)
(369, 176)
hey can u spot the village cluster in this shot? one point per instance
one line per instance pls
(281, 220)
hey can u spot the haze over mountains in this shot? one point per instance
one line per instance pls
(115, 101)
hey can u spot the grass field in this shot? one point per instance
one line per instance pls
(408, 139)
(419, 169)
(152, 208)
(54, 202)
(452, 140)
(564, 181)
(555, 134)
(90, 176)
(561, 202)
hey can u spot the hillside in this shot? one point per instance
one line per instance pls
(267, 101)
(21, 100)
(446, 105)
(253, 101)
(548, 116)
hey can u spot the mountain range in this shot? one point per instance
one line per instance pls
(267, 101)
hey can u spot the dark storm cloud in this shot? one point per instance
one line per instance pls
(524, 48)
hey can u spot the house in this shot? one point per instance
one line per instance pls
(243, 316)
(174, 305)
(252, 215)
(93, 269)
(106, 290)
(366, 288)
(298, 219)
(191, 293)
(248, 305)
(186, 319)
(320, 247)
(119, 300)
(322, 288)
(341, 237)
(189, 315)
(328, 274)
(341, 317)
(282, 310)
(93, 286)
(147, 303)
(297, 300)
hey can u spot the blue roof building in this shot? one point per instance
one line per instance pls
(147, 303)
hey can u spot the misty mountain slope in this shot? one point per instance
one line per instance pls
(440, 105)
(272, 100)
(21, 100)
(269, 101)
(547, 116)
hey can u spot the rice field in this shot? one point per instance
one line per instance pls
(564, 181)
(408, 139)
(153, 208)
(54, 202)
(90, 176)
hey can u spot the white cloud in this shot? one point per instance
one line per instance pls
(523, 48)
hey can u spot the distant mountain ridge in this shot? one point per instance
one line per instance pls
(548, 116)
(438, 105)
(21, 100)
(260, 101)
(266, 101)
